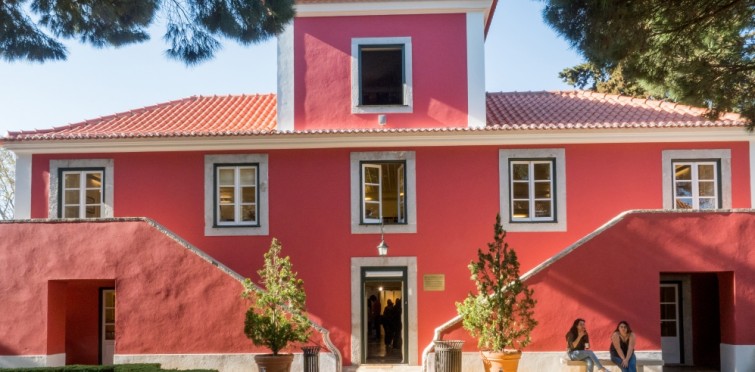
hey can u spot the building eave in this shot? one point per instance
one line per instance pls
(391, 8)
(380, 139)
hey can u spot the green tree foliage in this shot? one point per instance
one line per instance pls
(500, 314)
(7, 183)
(32, 29)
(277, 316)
(592, 77)
(700, 53)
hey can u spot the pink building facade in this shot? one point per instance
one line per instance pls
(133, 231)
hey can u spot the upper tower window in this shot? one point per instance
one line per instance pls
(381, 76)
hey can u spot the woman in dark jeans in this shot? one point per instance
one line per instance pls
(577, 343)
(622, 348)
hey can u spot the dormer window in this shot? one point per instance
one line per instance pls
(381, 75)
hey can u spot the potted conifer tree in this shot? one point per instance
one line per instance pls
(500, 314)
(277, 315)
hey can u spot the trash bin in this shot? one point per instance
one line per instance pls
(311, 358)
(448, 356)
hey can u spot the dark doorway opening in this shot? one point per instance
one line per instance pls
(706, 320)
(75, 319)
(384, 314)
(691, 325)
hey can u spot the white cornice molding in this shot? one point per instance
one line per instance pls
(391, 7)
(380, 140)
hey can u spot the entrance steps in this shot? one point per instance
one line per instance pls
(382, 368)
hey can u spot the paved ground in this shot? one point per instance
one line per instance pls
(688, 369)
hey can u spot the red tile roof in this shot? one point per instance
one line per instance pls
(193, 116)
(256, 114)
(585, 109)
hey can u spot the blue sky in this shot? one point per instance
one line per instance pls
(521, 54)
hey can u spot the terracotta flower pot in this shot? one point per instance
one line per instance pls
(507, 361)
(274, 363)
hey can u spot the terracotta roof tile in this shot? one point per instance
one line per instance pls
(256, 115)
(193, 116)
(590, 110)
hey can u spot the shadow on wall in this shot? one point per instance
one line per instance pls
(616, 274)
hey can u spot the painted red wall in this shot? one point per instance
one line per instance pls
(159, 284)
(616, 276)
(322, 70)
(56, 317)
(457, 199)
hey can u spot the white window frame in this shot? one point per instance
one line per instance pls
(358, 159)
(558, 190)
(238, 203)
(356, 107)
(59, 166)
(262, 226)
(379, 185)
(400, 197)
(695, 183)
(82, 191)
(531, 190)
(721, 156)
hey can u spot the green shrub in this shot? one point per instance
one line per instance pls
(501, 314)
(277, 315)
(143, 367)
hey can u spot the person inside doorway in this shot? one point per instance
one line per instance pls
(373, 320)
(577, 345)
(387, 321)
(397, 324)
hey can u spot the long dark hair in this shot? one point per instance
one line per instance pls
(573, 329)
(624, 322)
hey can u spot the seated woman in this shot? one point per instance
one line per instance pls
(622, 348)
(577, 342)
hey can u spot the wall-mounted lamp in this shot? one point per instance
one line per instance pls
(382, 247)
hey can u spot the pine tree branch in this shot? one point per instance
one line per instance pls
(697, 21)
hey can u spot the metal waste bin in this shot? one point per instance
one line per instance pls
(311, 358)
(448, 356)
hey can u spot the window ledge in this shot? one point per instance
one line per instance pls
(236, 231)
(382, 109)
(408, 228)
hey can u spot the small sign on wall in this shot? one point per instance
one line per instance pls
(434, 282)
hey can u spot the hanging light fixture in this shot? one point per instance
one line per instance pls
(382, 247)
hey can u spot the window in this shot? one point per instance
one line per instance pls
(532, 189)
(381, 75)
(81, 188)
(383, 189)
(236, 195)
(696, 185)
(383, 193)
(81, 193)
(696, 179)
